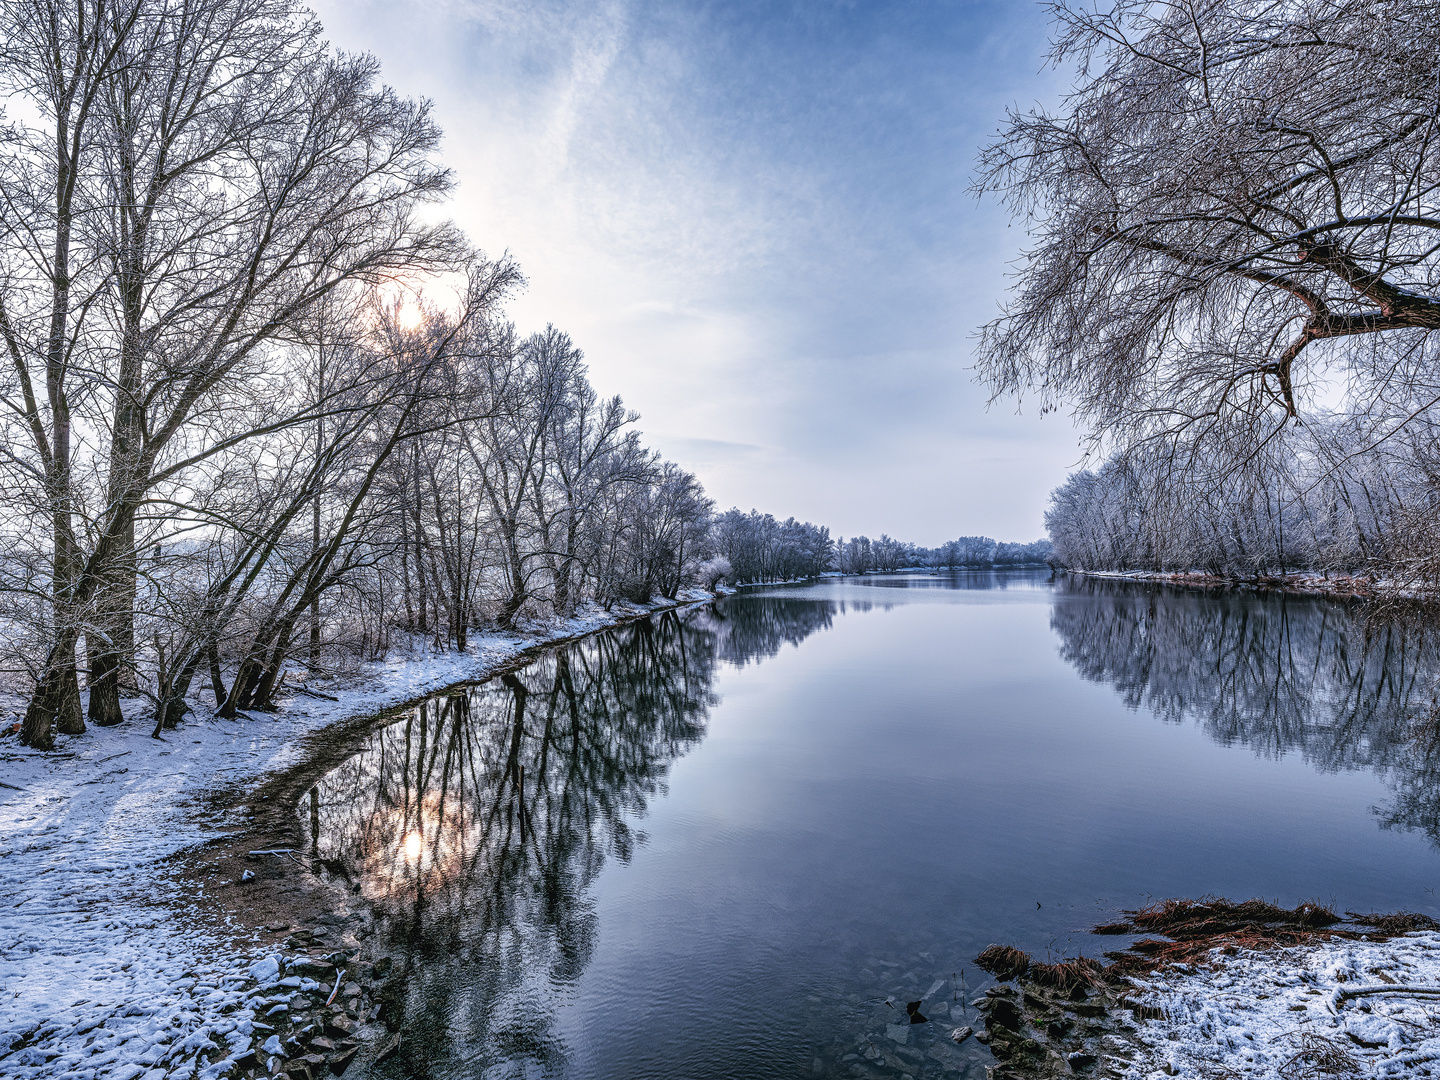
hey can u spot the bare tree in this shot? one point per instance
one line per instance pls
(211, 173)
(528, 384)
(1234, 208)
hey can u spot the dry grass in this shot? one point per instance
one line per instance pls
(1211, 915)
(1195, 927)
(1068, 975)
(1114, 928)
(1399, 922)
(1003, 962)
(1192, 929)
(1318, 1056)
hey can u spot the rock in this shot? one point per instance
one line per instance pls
(351, 989)
(246, 1060)
(1078, 1061)
(962, 1033)
(381, 968)
(340, 1061)
(982, 1036)
(1008, 1044)
(1003, 1014)
(265, 970)
(340, 1024)
(389, 1049)
(322, 1044)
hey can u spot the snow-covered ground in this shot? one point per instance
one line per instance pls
(1309, 581)
(1365, 1008)
(103, 973)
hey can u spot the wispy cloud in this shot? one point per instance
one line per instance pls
(752, 216)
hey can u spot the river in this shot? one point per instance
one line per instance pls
(715, 843)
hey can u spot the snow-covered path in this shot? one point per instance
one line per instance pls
(104, 969)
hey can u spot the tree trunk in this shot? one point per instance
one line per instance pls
(55, 704)
(111, 646)
(104, 682)
(217, 682)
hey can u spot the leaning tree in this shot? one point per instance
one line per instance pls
(1235, 222)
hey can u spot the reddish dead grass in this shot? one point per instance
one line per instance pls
(1003, 961)
(1401, 922)
(1191, 930)
(1196, 927)
(1068, 975)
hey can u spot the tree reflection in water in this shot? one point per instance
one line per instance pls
(476, 824)
(1272, 672)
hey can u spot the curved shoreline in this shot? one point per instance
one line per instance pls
(139, 898)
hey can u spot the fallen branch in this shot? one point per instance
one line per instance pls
(313, 693)
(1339, 997)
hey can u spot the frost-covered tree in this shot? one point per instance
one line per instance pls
(1236, 209)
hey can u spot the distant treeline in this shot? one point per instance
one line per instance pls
(860, 554)
(1325, 499)
(756, 547)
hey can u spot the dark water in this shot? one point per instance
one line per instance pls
(711, 845)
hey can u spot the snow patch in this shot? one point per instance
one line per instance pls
(1270, 1015)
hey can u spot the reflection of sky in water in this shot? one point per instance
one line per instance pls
(847, 790)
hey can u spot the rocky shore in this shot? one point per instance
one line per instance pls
(1227, 989)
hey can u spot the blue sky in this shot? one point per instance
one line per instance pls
(753, 218)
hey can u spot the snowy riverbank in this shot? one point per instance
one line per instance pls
(1229, 990)
(1365, 1008)
(1309, 583)
(107, 965)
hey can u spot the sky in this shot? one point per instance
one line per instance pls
(754, 219)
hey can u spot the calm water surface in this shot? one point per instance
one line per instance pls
(711, 845)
